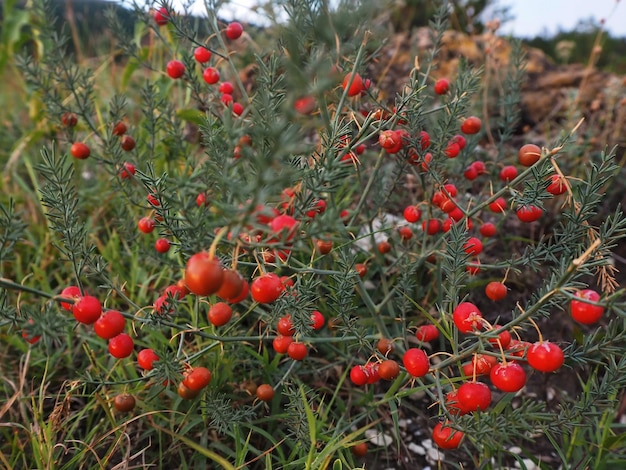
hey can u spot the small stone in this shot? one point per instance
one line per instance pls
(435, 455)
(378, 438)
(515, 450)
(417, 449)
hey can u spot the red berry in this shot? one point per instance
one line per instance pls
(297, 351)
(504, 338)
(162, 245)
(473, 246)
(110, 324)
(488, 229)
(426, 333)
(498, 206)
(471, 125)
(234, 30)
(127, 171)
(416, 362)
(87, 310)
(202, 54)
(281, 344)
(266, 288)
(508, 173)
(474, 396)
(545, 356)
(146, 358)
(285, 326)
(467, 317)
(529, 154)
(317, 320)
(412, 214)
(70, 292)
(355, 87)
(305, 105)
(388, 369)
(80, 150)
(452, 150)
(226, 87)
(442, 86)
(358, 375)
(175, 69)
(146, 225)
(197, 378)
(284, 226)
(69, 119)
(447, 437)
(584, 312)
(232, 284)
(509, 377)
(211, 75)
(121, 346)
(203, 274)
(496, 290)
(529, 214)
(220, 313)
(557, 185)
(161, 16)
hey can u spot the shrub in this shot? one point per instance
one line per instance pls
(270, 228)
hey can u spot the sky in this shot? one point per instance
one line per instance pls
(534, 17)
(530, 17)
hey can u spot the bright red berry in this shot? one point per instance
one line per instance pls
(121, 346)
(584, 312)
(234, 30)
(175, 69)
(442, 86)
(87, 310)
(202, 54)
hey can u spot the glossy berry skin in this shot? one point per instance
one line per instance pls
(146, 358)
(197, 378)
(265, 392)
(545, 356)
(161, 16)
(124, 402)
(203, 274)
(146, 225)
(508, 377)
(285, 326)
(220, 313)
(529, 154)
(473, 246)
(426, 333)
(557, 185)
(358, 375)
(471, 125)
(121, 346)
(80, 150)
(162, 245)
(498, 206)
(412, 214)
(297, 351)
(508, 173)
(232, 285)
(202, 54)
(496, 290)
(447, 437)
(389, 369)
(584, 312)
(281, 344)
(442, 86)
(127, 171)
(474, 396)
(70, 292)
(416, 362)
(234, 30)
(317, 320)
(110, 324)
(284, 226)
(266, 288)
(175, 69)
(211, 75)
(119, 129)
(528, 214)
(356, 87)
(87, 310)
(467, 317)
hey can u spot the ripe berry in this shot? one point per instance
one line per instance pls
(237, 108)
(467, 317)
(442, 86)
(127, 171)
(447, 437)
(529, 214)
(70, 292)
(426, 333)
(412, 214)
(265, 392)
(197, 378)
(281, 344)
(545, 356)
(80, 150)
(416, 362)
(529, 154)
(473, 246)
(211, 75)
(503, 338)
(509, 377)
(389, 369)
(146, 358)
(146, 224)
(232, 284)
(584, 312)
(384, 346)
(110, 324)
(317, 320)
(471, 125)
(202, 54)
(297, 351)
(220, 313)
(488, 229)
(498, 206)
(161, 16)
(266, 288)
(203, 274)
(162, 245)
(452, 150)
(285, 326)
(121, 346)
(127, 143)
(496, 290)
(355, 87)
(69, 119)
(508, 173)
(474, 396)
(234, 30)
(87, 310)
(557, 185)
(175, 69)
